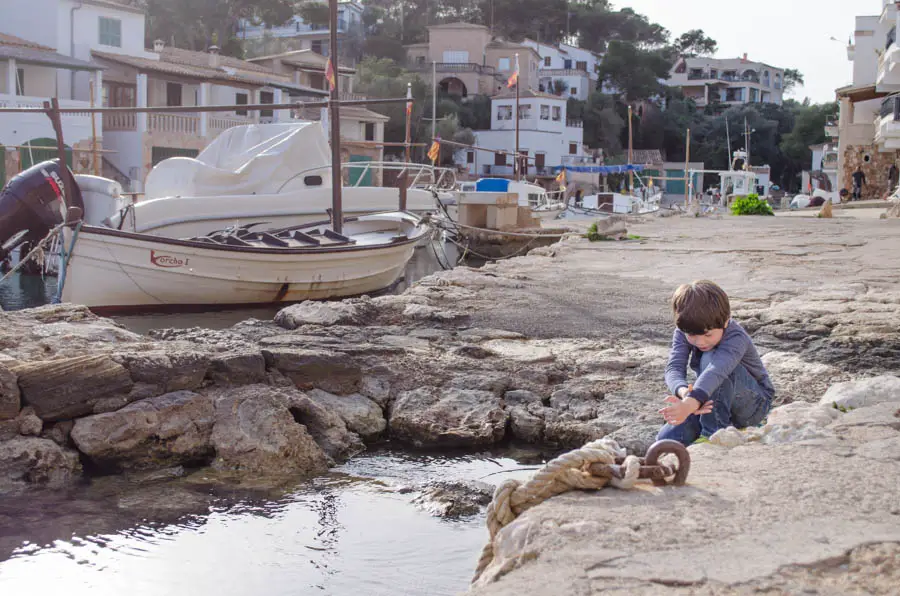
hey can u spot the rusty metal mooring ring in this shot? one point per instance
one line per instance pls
(661, 448)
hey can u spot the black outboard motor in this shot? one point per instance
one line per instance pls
(32, 201)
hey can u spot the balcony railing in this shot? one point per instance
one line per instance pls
(574, 124)
(454, 67)
(563, 72)
(891, 107)
(118, 121)
(180, 123)
(219, 123)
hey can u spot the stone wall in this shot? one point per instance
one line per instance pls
(874, 164)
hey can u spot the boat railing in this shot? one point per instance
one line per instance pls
(418, 175)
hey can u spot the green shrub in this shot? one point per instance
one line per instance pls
(594, 235)
(751, 205)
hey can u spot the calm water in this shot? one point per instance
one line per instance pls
(348, 533)
(27, 291)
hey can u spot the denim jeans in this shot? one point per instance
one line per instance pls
(739, 401)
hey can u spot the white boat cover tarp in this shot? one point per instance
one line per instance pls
(255, 159)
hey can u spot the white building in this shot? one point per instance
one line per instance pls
(729, 81)
(545, 136)
(868, 129)
(574, 67)
(29, 76)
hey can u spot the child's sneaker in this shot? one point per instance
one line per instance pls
(701, 440)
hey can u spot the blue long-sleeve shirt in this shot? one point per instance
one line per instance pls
(736, 348)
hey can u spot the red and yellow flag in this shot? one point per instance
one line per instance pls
(435, 152)
(561, 179)
(514, 77)
(329, 75)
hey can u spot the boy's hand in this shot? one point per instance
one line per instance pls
(676, 413)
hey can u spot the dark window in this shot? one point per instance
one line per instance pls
(266, 97)
(317, 46)
(157, 154)
(120, 95)
(370, 131)
(567, 64)
(581, 65)
(317, 81)
(573, 148)
(173, 94)
(470, 157)
(241, 99)
(110, 32)
(547, 61)
(312, 181)
(499, 159)
(539, 160)
(20, 81)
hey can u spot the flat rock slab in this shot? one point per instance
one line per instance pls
(70, 387)
(751, 516)
(433, 417)
(334, 372)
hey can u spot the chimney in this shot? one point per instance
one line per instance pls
(158, 46)
(745, 56)
(214, 56)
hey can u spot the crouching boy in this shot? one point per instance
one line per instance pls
(732, 386)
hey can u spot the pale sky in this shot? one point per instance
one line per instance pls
(782, 33)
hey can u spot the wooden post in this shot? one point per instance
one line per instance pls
(408, 117)
(95, 156)
(337, 180)
(630, 154)
(687, 159)
(403, 180)
(68, 183)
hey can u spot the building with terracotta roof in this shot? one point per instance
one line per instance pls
(467, 61)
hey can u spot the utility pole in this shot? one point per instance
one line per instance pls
(630, 154)
(728, 137)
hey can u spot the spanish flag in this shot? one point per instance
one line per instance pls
(561, 179)
(514, 77)
(435, 150)
(329, 75)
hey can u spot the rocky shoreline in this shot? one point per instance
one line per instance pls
(553, 349)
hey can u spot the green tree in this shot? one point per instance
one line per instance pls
(314, 13)
(695, 43)
(793, 78)
(634, 71)
(193, 25)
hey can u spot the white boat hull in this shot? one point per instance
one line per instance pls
(112, 270)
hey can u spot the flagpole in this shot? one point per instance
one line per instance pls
(518, 161)
(337, 212)
(433, 109)
(408, 116)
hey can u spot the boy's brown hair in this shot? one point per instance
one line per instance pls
(700, 306)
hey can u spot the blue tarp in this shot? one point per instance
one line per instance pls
(492, 185)
(601, 169)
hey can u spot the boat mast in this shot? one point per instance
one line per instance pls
(337, 211)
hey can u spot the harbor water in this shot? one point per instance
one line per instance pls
(353, 531)
(356, 530)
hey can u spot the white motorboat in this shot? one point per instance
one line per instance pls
(109, 269)
(608, 203)
(277, 174)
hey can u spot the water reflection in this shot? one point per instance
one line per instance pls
(350, 532)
